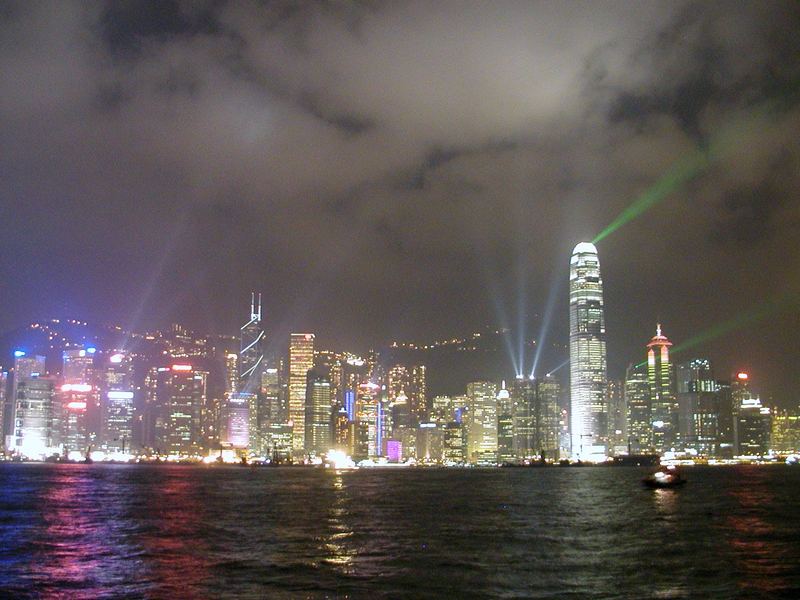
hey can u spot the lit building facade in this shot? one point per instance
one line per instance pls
(785, 435)
(319, 404)
(25, 367)
(177, 398)
(301, 361)
(236, 419)
(117, 404)
(663, 404)
(753, 421)
(251, 351)
(368, 416)
(73, 402)
(637, 403)
(36, 426)
(482, 428)
(587, 351)
(698, 407)
(617, 416)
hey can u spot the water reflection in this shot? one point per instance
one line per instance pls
(338, 552)
(83, 545)
(758, 554)
(175, 532)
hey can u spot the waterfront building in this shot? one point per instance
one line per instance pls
(319, 403)
(430, 443)
(455, 443)
(301, 360)
(265, 410)
(523, 397)
(637, 401)
(785, 435)
(4, 410)
(36, 426)
(505, 426)
(663, 405)
(587, 351)
(482, 419)
(617, 417)
(235, 432)
(546, 437)
(368, 415)
(279, 441)
(176, 398)
(118, 415)
(698, 407)
(726, 436)
(25, 367)
(72, 407)
(753, 421)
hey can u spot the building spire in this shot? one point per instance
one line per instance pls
(658, 329)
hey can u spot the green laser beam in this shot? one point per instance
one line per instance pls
(741, 320)
(700, 159)
(680, 173)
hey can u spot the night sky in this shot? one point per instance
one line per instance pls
(406, 170)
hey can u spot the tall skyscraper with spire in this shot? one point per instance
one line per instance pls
(587, 353)
(663, 405)
(251, 353)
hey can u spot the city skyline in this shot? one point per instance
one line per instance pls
(370, 168)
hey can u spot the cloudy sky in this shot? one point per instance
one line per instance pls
(405, 170)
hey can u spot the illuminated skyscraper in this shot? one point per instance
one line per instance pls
(71, 408)
(117, 404)
(368, 415)
(410, 381)
(548, 390)
(319, 403)
(587, 352)
(3, 409)
(482, 428)
(505, 426)
(698, 406)
(177, 398)
(78, 401)
(25, 367)
(663, 405)
(301, 360)
(752, 421)
(35, 422)
(637, 401)
(617, 416)
(523, 397)
(251, 353)
(785, 434)
(235, 432)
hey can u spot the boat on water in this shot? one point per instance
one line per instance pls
(664, 478)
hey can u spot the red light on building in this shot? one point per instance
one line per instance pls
(742, 376)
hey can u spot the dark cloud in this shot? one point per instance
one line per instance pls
(371, 166)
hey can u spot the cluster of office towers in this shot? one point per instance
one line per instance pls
(185, 395)
(660, 407)
(301, 406)
(191, 396)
